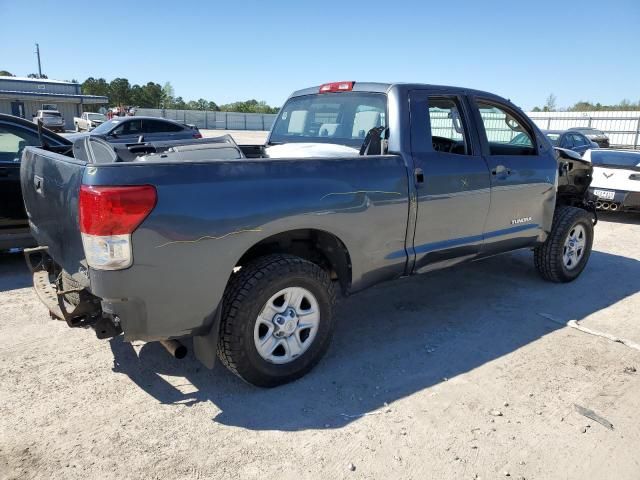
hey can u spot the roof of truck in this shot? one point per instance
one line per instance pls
(377, 87)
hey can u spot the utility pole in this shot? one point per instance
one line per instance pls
(39, 66)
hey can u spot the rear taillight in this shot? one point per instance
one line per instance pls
(108, 216)
(197, 135)
(336, 87)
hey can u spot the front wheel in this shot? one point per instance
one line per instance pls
(564, 255)
(77, 127)
(277, 320)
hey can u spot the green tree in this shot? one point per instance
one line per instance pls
(550, 104)
(168, 95)
(35, 75)
(153, 94)
(213, 106)
(179, 104)
(95, 86)
(120, 91)
(4, 73)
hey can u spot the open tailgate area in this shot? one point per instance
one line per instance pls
(50, 186)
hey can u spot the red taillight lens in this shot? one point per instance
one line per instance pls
(336, 87)
(197, 135)
(114, 210)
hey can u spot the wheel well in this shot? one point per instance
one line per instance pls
(317, 246)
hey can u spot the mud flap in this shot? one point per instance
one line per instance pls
(205, 347)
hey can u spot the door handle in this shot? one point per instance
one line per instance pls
(501, 170)
(419, 176)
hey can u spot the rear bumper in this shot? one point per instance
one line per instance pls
(76, 306)
(623, 199)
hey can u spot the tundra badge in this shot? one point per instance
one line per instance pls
(517, 221)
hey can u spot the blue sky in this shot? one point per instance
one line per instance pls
(227, 51)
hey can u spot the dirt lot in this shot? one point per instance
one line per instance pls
(449, 375)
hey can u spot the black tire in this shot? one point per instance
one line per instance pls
(548, 257)
(77, 127)
(247, 293)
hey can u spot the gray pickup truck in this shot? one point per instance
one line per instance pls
(245, 248)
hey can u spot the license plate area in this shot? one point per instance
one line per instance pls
(604, 194)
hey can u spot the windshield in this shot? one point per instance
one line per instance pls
(106, 126)
(342, 118)
(553, 138)
(96, 116)
(621, 159)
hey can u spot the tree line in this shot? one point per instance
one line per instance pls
(153, 95)
(585, 106)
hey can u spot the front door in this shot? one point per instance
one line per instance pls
(17, 109)
(452, 180)
(523, 171)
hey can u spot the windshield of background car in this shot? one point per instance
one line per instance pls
(96, 116)
(553, 138)
(342, 118)
(622, 159)
(106, 126)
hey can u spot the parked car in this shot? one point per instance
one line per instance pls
(51, 119)
(135, 129)
(570, 140)
(616, 179)
(358, 183)
(88, 121)
(16, 134)
(593, 134)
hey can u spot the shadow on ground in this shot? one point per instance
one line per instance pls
(629, 218)
(14, 273)
(394, 340)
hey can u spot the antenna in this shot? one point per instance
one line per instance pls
(39, 66)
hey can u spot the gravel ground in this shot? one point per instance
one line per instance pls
(450, 375)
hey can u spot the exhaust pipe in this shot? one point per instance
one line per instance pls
(175, 348)
(598, 204)
(613, 207)
(605, 206)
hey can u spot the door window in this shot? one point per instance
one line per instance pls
(579, 140)
(133, 127)
(447, 127)
(506, 134)
(567, 141)
(158, 126)
(12, 142)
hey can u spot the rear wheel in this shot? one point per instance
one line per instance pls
(565, 253)
(277, 320)
(77, 127)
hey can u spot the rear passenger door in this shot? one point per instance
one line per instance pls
(158, 130)
(452, 180)
(523, 176)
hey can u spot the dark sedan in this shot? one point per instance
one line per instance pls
(570, 140)
(15, 134)
(593, 134)
(151, 129)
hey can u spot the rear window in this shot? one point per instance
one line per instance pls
(621, 159)
(342, 118)
(50, 114)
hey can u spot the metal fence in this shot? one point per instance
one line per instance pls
(623, 128)
(214, 120)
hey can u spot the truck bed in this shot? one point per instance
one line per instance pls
(208, 214)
